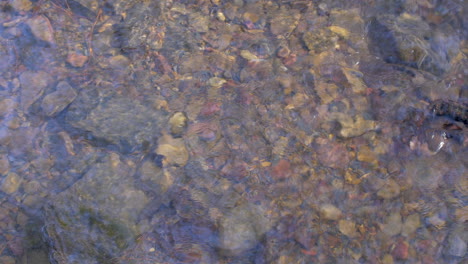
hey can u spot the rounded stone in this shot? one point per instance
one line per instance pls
(11, 183)
(330, 212)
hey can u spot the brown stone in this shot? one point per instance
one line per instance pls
(76, 60)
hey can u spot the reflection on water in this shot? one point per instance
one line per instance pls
(244, 131)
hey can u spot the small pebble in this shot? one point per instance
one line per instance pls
(119, 62)
(283, 52)
(347, 228)
(11, 183)
(330, 212)
(216, 82)
(76, 60)
(178, 123)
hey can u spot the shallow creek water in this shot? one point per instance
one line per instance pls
(240, 131)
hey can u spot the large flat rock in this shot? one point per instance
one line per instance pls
(97, 218)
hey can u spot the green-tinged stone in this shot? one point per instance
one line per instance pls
(97, 217)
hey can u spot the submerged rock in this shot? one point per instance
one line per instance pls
(347, 228)
(330, 212)
(96, 218)
(178, 123)
(11, 183)
(32, 86)
(55, 102)
(455, 110)
(393, 224)
(141, 27)
(41, 29)
(390, 190)
(123, 122)
(455, 246)
(21, 5)
(173, 150)
(242, 228)
(410, 41)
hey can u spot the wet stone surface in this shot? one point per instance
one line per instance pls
(97, 217)
(122, 122)
(55, 102)
(210, 131)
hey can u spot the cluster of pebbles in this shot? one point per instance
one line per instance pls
(244, 131)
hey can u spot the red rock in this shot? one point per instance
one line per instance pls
(210, 108)
(400, 250)
(310, 252)
(281, 170)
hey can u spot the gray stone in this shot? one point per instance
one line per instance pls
(55, 102)
(427, 172)
(410, 41)
(455, 246)
(32, 86)
(97, 217)
(123, 122)
(242, 228)
(155, 178)
(41, 29)
(393, 224)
